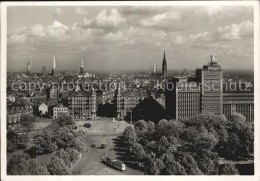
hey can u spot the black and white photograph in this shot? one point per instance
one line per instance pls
(129, 88)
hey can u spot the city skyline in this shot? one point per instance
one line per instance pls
(125, 36)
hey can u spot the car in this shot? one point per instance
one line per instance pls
(87, 125)
(93, 145)
(113, 120)
(103, 146)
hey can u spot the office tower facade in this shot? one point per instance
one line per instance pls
(164, 66)
(240, 102)
(210, 77)
(183, 101)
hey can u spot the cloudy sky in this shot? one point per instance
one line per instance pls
(129, 37)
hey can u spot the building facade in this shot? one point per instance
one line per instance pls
(126, 101)
(43, 108)
(83, 105)
(240, 102)
(15, 110)
(210, 77)
(60, 110)
(183, 102)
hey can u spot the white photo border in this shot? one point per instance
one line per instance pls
(255, 4)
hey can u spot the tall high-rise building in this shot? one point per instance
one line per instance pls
(183, 99)
(164, 66)
(54, 66)
(82, 68)
(28, 69)
(154, 68)
(210, 77)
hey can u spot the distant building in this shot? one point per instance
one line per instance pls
(104, 97)
(60, 110)
(164, 66)
(43, 108)
(82, 68)
(43, 69)
(240, 102)
(126, 101)
(53, 72)
(184, 101)
(211, 77)
(154, 68)
(83, 104)
(28, 69)
(53, 92)
(15, 110)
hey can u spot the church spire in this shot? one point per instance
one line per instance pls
(164, 65)
(54, 66)
(82, 67)
(154, 68)
(28, 69)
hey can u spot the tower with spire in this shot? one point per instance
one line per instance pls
(54, 67)
(164, 66)
(82, 68)
(154, 68)
(28, 69)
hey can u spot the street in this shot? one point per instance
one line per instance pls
(104, 132)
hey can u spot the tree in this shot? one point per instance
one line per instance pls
(141, 126)
(138, 151)
(58, 166)
(27, 122)
(237, 117)
(174, 168)
(228, 169)
(130, 135)
(66, 121)
(16, 141)
(43, 144)
(37, 168)
(64, 156)
(188, 163)
(19, 165)
(66, 137)
(73, 154)
(240, 142)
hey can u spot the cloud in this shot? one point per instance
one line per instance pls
(164, 19)
(17, 38)
(113, 18)
(196, 38)
(81, 11)
(167, 21)
(103, 20)
(229, 32)
(58, 11)
(55, 32)
(114, 37)
(236, 31)
(137, 36)
(143, 10)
